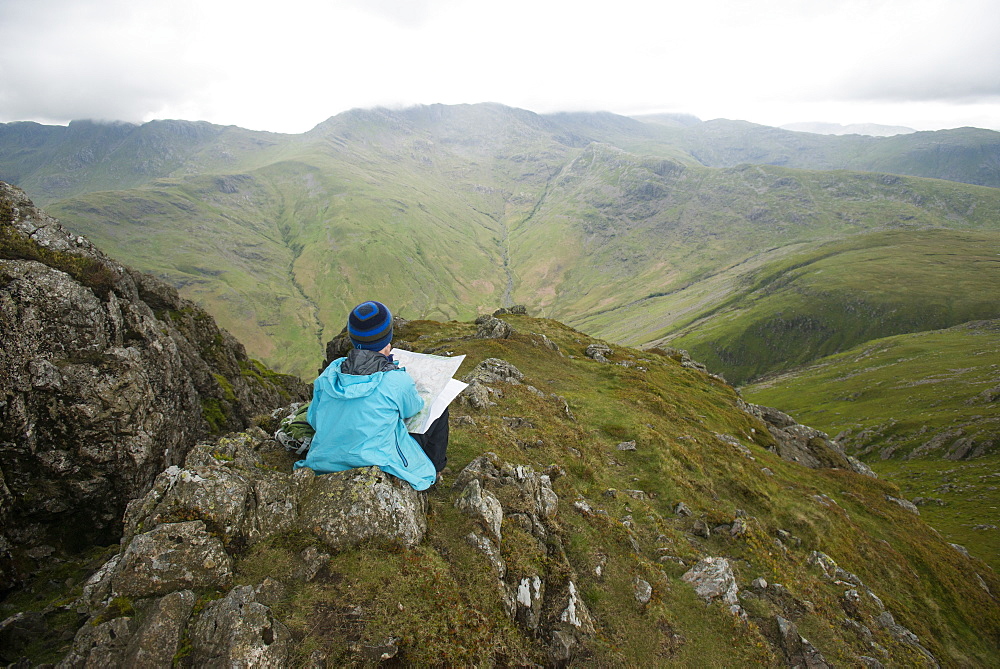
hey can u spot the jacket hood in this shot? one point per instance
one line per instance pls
(363, 361)
(367, 371)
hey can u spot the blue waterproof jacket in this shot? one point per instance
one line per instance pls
(358, 420)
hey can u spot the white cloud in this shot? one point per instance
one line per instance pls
(287, 66)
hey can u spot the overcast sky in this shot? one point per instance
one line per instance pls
(286, 65)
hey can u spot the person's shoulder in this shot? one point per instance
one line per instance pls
(396, 378)
(332, 368)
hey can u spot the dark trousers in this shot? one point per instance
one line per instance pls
(435, 441)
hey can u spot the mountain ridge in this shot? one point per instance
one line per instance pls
(491, 184)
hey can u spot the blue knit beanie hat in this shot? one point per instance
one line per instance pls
(370, 326)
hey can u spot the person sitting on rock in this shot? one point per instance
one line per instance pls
(359, 404)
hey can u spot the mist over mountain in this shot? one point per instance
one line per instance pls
(873, 129)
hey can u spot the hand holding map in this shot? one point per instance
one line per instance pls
(433, 376)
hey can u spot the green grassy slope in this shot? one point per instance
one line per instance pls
(632, 239)
(442, 231)
(440, 604)
(359, 209)
(837, 295)
(922, 409)
(220, 241)
(674, 415)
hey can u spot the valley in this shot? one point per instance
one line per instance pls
(629, 230)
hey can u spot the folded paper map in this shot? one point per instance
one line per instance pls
(433, 376)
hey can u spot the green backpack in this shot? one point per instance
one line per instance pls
(295, 433)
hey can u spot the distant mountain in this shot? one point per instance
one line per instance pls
(969, 155)
(629, 229)
(674, 120)
(55, 162)
(872, 129)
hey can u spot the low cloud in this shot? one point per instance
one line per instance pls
(288, 66)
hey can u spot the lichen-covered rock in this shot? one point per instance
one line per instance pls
(494, 370)
(599, 352)
(903, 635)
(99, 646)
(238, 631)
(106, 377)
(530, 594)
(483, 380)
(831, 569)
(494, 328)
(490, 550)
(802, 444)
(347, 508)
(514, 309)
(562, 648)
(713, 579)
(244, 504)
(574, 611)
(170, 557)
(155, 642)
(798, 651)
(905, 503)
(546, 601)
(643, 591)
(533, 493)
(855, 605)
(483, 506)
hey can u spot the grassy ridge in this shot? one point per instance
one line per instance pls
(439, 603)
(843, 293)
(721, 226)
(916, 407)
(223, 249)
(354, 210)
(674, 415)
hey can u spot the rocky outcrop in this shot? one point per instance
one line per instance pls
(545, 601)
(491, 327)
(517, 309)
(228, 487)
(712, 578)
(798, 651)
(185, 534)
(107, 377)
(599, 352)
(484, 379)
(865, 609)
(802, 444)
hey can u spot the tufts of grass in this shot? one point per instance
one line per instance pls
(91, 272)
(917, 407)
